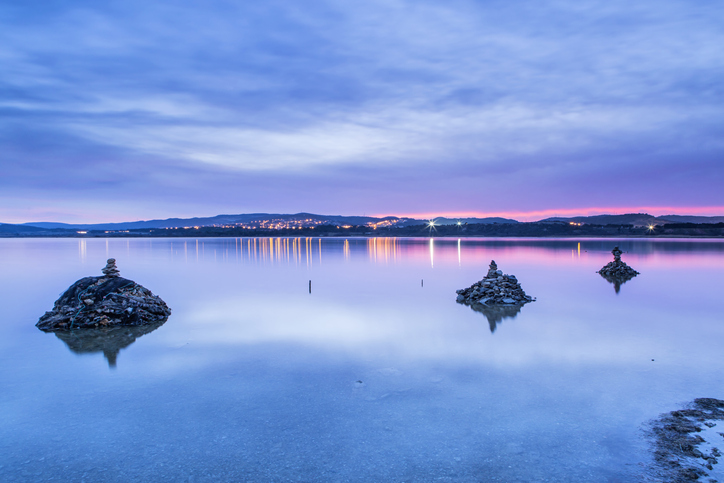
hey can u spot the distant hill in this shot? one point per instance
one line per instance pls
(251, 218)
(635, 219)
(222, 220)
(266, 220)
(7, 228)
(483, 221)
(692, 219)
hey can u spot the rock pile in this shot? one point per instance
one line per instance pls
(617, 269)
(106, 301)
(110, 270)
(495, 289)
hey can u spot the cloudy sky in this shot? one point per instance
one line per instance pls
(127, 110)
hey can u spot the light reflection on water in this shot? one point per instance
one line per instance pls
(255, 378)
(307, 251)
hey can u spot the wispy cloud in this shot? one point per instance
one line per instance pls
(361, 107)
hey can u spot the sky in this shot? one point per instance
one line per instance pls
(129, 110)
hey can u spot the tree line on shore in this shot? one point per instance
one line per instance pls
(533, 229)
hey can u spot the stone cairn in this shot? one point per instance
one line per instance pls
(495, 289)
(107, 301)
(110, 270)
(617, 269)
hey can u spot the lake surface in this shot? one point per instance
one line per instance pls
(376, 375)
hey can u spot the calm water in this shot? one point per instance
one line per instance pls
(376, 375)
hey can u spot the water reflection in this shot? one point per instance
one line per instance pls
(109, 341)
(432, 253)
(264, 374)
(298, 251)
(311, 252)
(497, 313)
(379, 249)
(617, 281)
(82, 249)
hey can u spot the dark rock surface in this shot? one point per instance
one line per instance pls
(496, 288)
(681, 453)
(106, 301)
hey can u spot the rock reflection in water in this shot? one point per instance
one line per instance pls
(617, 281)
(109, 340)
(497, 313)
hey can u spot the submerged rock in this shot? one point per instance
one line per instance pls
(106, 301)
(680, 451)
(496, 288)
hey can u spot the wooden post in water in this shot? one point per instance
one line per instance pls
(310, 286)
(422, 282)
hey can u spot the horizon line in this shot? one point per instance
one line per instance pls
(519, 215)
(537, 215)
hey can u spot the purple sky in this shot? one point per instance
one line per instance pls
(127, 110)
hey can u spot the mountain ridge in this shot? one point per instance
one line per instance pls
(251, 218)
(303, 219)
(636, 219)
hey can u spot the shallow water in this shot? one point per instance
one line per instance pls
(376, 375)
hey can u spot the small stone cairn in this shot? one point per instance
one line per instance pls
(104, 302)
(110, 270)
(495, 289)
(617, 269)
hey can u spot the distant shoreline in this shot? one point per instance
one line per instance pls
(492, 230)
